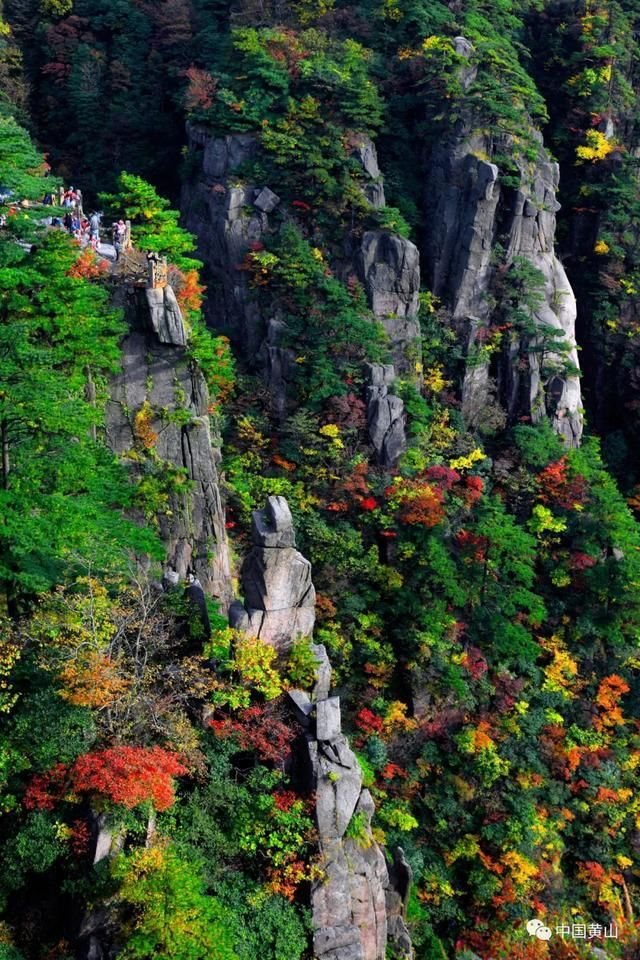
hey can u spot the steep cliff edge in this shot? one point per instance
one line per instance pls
(482, 231)
(157, 419)
(231, 218)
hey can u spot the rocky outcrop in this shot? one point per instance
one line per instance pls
(279, 366)
(385, 415)
(226, 217)
(279, 597)
(389, 267)
(468, 210)
(157, 420)
(352, 902)
(165, 316)
(363, 151)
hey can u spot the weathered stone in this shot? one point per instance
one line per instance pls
(266, 200)
(279, 366)
(166, 316)
(158, 376)
(277, 579)
(379, 374)
(466, 209)
(225, 154)
(225, 222)
(328, 719)
(197, 598)
(348, 905)
(390, 270)
(389, 267)
(366, 806)
(104, 840)
(386, 425)
(466, 73)
(385, 415)
(337, 794)
(273, 526)
(322, 685)
(364, 151)
(302, 704)
(279, 597)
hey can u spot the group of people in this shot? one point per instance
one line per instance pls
(86, 230)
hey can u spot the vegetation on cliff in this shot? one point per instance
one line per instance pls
(478, 598)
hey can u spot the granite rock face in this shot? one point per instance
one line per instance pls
(279, 597)
(355, 900)
(226, 219)
(468, 209)
(166, 317)
(363, 150)
(349, 903)
(389, 268)
(159, 382)
(386, 418)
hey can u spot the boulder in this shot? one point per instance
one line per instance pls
(322, 685)
(267, 200)
(328, 719)
(386, 424)
(273, 526)
(389, 267)
(385, 415)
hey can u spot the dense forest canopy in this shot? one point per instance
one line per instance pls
(379, 268)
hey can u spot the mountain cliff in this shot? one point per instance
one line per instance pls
(320, 551)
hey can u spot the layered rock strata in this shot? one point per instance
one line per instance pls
(157, 420)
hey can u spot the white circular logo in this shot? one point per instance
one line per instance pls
(533, 926)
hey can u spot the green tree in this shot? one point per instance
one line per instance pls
(174, 919)
(61, 491)
(154, 224)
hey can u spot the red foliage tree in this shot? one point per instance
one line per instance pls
(260, 729)
(128, 775)
(201, 91)
(423, 504)
(559, 487)
(46, 789)
(368, 721)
